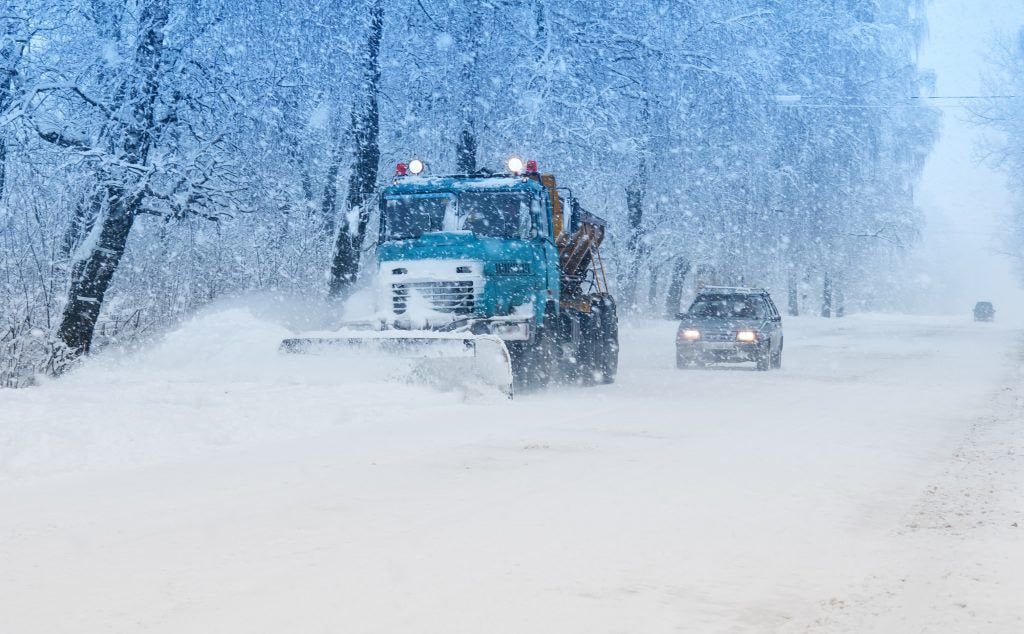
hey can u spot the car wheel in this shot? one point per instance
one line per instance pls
(764, 360)
(688, 362)
(777, 358)
(682, 362)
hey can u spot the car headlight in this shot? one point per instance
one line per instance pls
(690, 335)
(746, 336)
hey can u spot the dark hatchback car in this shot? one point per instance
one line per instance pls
(730, 325)
(984, 311)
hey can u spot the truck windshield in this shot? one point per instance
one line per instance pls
(486, 213)
(408, 217)
(728, 306)
(496, 214)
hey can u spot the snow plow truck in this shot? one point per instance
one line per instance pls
(501, 270)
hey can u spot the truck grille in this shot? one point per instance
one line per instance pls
(444, 297)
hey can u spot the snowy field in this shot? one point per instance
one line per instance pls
(209, 485)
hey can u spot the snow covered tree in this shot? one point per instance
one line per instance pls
(13, 41)
(365, 134)
(132, 119)
(1003, 114)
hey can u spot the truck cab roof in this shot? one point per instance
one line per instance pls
(411, 185)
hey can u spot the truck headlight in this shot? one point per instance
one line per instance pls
(514, 331)
(746, 336)
(690, 335)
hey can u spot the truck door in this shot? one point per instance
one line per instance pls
(548, 252)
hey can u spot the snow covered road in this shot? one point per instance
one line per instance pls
(209, 485)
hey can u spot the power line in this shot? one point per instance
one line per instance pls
(969, 97)
(796, 101)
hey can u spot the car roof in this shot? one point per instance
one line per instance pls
(731, 290)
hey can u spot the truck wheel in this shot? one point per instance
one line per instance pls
(590, 357)
(517, 352)
(572, 351)
(534, 361)
(606, 362)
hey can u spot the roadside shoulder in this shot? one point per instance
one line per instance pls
(957, 560)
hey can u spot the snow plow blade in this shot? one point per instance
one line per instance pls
(443, 358)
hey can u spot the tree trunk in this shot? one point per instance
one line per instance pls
(680, 269)
(792, 295)
(636, 191)
(363, 179)
(93, 274)
(329, 201)
(89, 287)
(465, 149)
(3, 166)
(634, 246)
(82, 222)
(469, 86)
(10, 56)
(826, 296)
(307, 189)
(652, 288)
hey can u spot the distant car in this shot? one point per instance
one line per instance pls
(984, 311)
(730, 325)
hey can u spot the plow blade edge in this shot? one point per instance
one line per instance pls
(441, 358)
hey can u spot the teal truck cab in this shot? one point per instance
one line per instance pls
(508, 255)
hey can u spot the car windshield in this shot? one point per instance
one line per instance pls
(485, 213)
(728, 306)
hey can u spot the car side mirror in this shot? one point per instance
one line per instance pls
(681, 316)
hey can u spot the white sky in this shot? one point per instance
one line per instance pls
(964, 202)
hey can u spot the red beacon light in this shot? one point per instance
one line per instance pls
(531, 167)
(401, 169)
